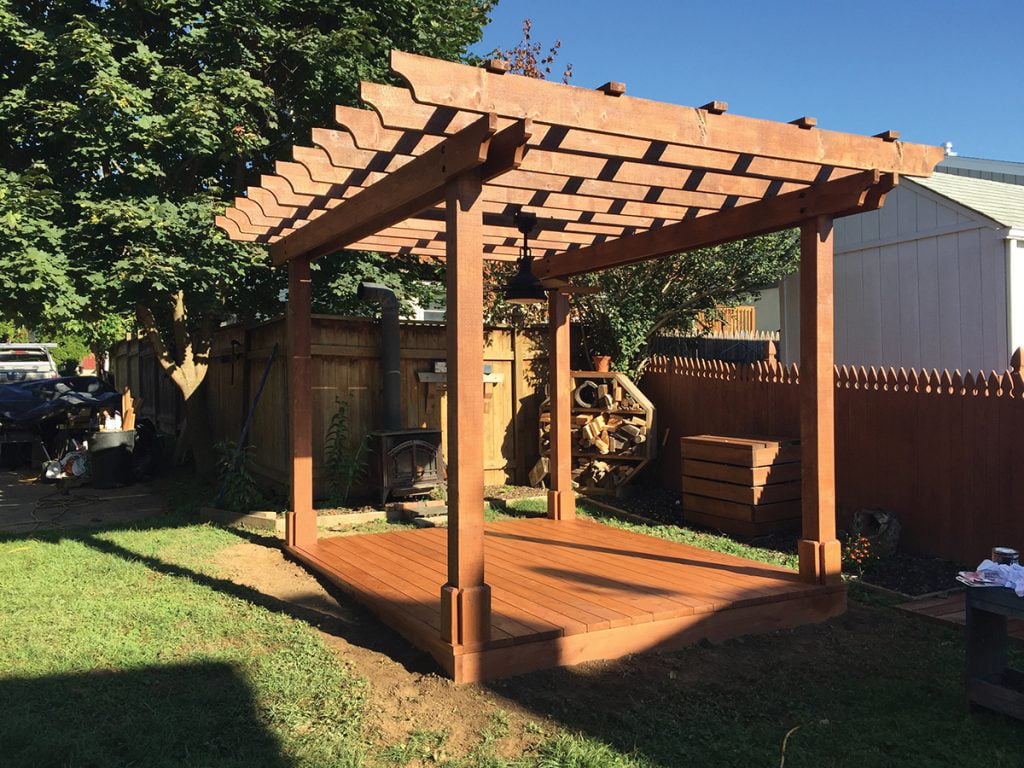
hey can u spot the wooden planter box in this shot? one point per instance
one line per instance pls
(747, 486)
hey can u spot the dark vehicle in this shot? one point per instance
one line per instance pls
(42, 414)
(46, 420)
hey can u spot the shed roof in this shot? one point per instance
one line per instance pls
(594, 165)
(997, 200)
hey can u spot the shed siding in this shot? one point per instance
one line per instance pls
(1015, 285)
(918, 284)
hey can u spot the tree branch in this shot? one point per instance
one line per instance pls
(179, 322)
(149, 327)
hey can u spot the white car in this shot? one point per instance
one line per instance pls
(24, 362)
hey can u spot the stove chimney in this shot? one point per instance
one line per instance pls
(390, 358)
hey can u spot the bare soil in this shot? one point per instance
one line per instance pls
(512, 492)
(407, 692)
(28, 505)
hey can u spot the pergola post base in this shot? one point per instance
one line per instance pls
(820, 561)
(561, 505)
(465, 614)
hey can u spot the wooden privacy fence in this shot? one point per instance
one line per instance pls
(132, 364)
(733, 320)
(944, 451)
(346, 366)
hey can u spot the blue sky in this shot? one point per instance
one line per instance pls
(935, 71)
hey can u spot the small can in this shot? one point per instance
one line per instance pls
(1005, 556)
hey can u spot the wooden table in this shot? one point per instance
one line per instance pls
(990, 683)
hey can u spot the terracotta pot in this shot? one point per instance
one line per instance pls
(602, 363)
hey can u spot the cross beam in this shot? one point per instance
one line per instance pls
(854, 194)
(445, 84)
(417, 185)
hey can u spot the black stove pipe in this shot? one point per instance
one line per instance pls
(390, 349)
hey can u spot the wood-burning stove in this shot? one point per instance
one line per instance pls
(406, 462)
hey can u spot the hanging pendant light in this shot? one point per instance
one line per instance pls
(524, 287)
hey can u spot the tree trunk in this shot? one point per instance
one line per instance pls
(100, 353)
(187, 369)
(200, 435)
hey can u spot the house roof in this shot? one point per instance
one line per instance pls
(1009, 171)
(1001, 202)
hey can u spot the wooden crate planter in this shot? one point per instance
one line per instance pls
(744, 486)
(613, 431)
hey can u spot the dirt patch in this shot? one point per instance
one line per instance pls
(407, 692)
(513, 492)
(28, 505)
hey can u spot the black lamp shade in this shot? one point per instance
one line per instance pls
(524, 287)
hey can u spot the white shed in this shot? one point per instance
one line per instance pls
(935, 279)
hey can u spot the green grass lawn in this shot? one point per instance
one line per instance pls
(703, 539)
(120, 647)
(126, 648)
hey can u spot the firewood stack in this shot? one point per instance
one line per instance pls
(612, 423)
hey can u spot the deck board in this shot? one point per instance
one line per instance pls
(567, 591)
(578, 614)
(950, 609)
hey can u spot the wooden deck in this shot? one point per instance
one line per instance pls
(565, 592)
(949, 609)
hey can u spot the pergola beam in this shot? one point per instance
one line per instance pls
(401, 121)
(853, 194)
(550, 172)
(416, 185)
(345, 150)
(442, 83)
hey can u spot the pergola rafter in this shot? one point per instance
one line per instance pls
(438, 169)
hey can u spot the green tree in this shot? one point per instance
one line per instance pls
(125, 127)
(637, 302)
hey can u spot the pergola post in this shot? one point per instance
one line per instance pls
(561, 497)
(820, 557)
(465, 599)
(300, 523)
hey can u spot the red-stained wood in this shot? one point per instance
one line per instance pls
(895, 447)
(852, 194)
(614, 180)
(410, 123)
(465, 598)
(615, 591)
(818, 548)
(473, 89)
(300, 522)
(561, 497)
(416, 185)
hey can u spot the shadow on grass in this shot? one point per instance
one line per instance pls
(869, 688)
(161, 717)
(341, 617)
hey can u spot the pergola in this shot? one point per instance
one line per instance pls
(438, 169)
